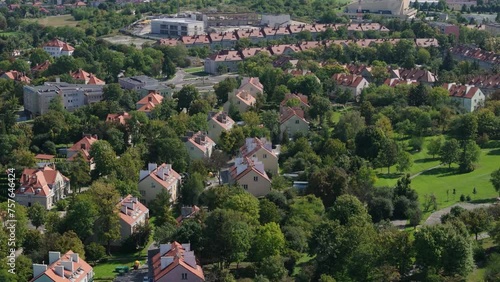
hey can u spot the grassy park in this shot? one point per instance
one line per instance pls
(56, 21)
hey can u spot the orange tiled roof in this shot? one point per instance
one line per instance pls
(348, 80)
(87, 142)
(120, 117)
(53, 276)
(461, 91)
(177, 252)
(131, 209)
(223, 120)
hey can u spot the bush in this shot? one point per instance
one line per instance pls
(62, 205)
(95, 252)
(479, 252)
(468, 198)
(483, 140)
(462, 198)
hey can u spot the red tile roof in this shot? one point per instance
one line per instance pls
(289, 112)
(120, 117)
(176, 251)
(41, 67)
(486, 81)
(169, 178)
(393, 82)
(44, 157)
(226, 55)
(40, 178)
(476, 53)
(195, 39)
(58, 43)
(131, 210)
(250, 52)
(150, 101)
(280, 49)
(168, 41)
(269, 31)
(81, 266)
(415, 74)
(222, 119)
(348, 80)
(249, 33)
(254, 81)
(17, 76)
(461, 91)
(83, 146)
(89, 78)
(357, 69)
(201, 141)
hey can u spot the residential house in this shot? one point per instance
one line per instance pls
(261, 149)
(362, 70)
(393, 82)
(196, 41)
(157, 178)
(285, 62)
(198, 145)
(120, 118)
(295, 100)
(132, 215)
(57, 48)
(74, 96)
(40, 67)
(293, 121)
(420, 76)
(485, 59)
(250, 174)
(174, 262)
(17, 76)
(137, 82)
(296, 29)
(276, 33)
(223, 61)
(83, 146)
(148, 103)
(470, 97)
(284, 49)
(168, 42)
(187, 213)
(222, 40)
(446, 28)
(250, 52)
(252, 85)
(44, 185)
(493, 28)
(68, 267)
(351, 82)
(254, 35)
(44, 158)
(307, 45)
(87, 78)
(487, 83)
(241, 99)
(218, 122)
(426, 42)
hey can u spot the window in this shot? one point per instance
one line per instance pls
(265, 156)
(153, 185)
(297, 122)
(255, 178)
(143, 193)
(184, 276)
(245, 186)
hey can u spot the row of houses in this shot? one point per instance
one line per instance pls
(228, 60)
(226, 40)
(485, 59)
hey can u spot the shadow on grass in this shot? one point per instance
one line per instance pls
(483, 201)
(389, 175)
(199, 73)
(494, 152)
(441, 171)
(425, 160)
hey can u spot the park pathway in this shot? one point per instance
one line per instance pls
(435, 217)
(417, 174)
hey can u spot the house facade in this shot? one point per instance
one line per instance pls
(262, 150)
(351, 82)
(218, 122)
(57, 48)
(174, 262)
(198, 145)
(156, 178)
(44, 185)
(132, 214)
(226, 60)
(470, 97)
(83, 146)
(250, 174)
(293, 121)
(68, 267)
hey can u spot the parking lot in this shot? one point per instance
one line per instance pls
(133, 275)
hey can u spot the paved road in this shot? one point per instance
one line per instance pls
(435, 217)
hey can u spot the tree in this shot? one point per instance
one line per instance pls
(434, 146)
(469, 156)
(223, 88)
(368, 143)
(246, 204)
(20, 65)
(450, 152)
(495, 180)
(328, 184)
(404, 162)
(271, 120)
(269, 212)
(107, 224)
(168, 67)
(272, 267)
(160, 207)
(104, 157)
(192, 189)
(190, 231)
(81, 215)
(94, 252)
(39, 56)
(444, 248)
(418, 95)
(269, 241)
(388, 154)
(384, 123)
(37, 214)
(349, 125)
(476, 221)
(186, 96)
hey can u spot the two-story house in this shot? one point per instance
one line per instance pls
(86, 77)
(83, 147)
(218, 122)
(263, 151)
(17, 76)
(174, 262)
(68, 267)
(242, 100)
(351, 82)
(250, 174)
(469, 97)
(57, 48)
(198, 145)
(252, 86)
(157, 178)
(132, 214)
(293, 121)
(44, 185)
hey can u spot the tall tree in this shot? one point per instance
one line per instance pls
(192, 189)
(495, 180)
(223, 88)
(104, 157)
(81, 216)
(269, 241)
(388, 154)
(328, 184)
(37, 214)
(450, 152)
(186, 96)
(369, 142)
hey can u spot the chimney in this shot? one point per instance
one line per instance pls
(75, 258)
(54, 256)
(166, 261)
(190, 259)
(68, 265)
(39, 269)
(186, 247)
(164, 248)
(197, 139)
(152, 166)
(59, 270)
(123, 209)
(58, 79)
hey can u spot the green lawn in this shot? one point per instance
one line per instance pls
(56, 21)
(194, 69)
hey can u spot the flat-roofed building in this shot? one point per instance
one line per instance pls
(177, 26)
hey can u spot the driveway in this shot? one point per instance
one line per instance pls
(133, 275)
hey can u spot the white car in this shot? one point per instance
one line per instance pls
(145, 279)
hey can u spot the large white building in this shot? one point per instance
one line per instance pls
(37, 98)
(57, 48)
(177, 26)
(386, 8)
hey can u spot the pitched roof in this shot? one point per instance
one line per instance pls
(253, 81)
(476, 53)
(250, 52)
(245, 165)
(150, 101)
(245, 97)
(168, 41)
(269, 31)
(426, 42)
(226, 55)
(306, 45)
(120, 117)
(83, 146)
(187, 212)
(195, 39)
(58, 43)
(486, 81)
(131, 209)
(304, 100)
(415, 74)
(38, 181)
(252, 145)
(81, 267)
(461, 91)
(348, 80)
(357, 69)
(89, 78)
(201, 141)
(249, 33)
(44, 157)
(17, 76)
(41, 67)
(289, 112)
(393, 82)
(168, 175)
(177, 252)
(280, 49)
(222, 119)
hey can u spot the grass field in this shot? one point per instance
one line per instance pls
(194, 69)
(56, 21)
